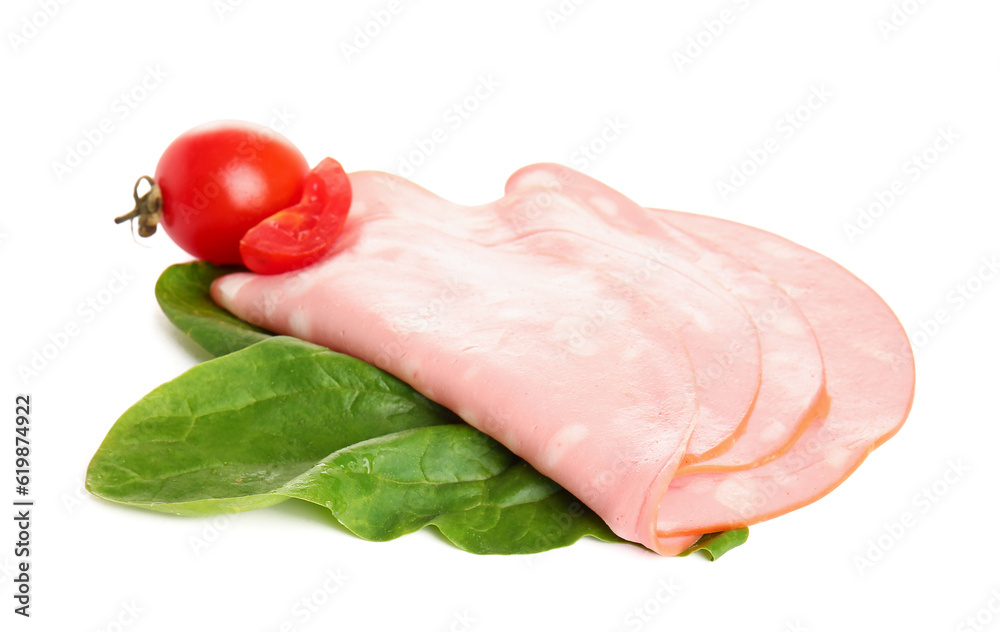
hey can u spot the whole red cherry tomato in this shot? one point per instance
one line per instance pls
(215, 182)
(300, 235)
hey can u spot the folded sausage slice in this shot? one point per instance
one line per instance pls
(616, 235)
(869, 381)
(791, 392)
(735, 430)
(488, 333)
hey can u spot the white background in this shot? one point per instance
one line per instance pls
(686, 126)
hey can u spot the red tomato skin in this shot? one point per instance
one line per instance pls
(301, 235)
(220, 179)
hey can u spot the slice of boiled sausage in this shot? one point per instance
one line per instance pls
(869, 380)
(487, 332)
(791, 391)
(719, 334)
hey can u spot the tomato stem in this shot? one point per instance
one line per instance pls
(148, 207)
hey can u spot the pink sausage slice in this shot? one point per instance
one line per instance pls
(614, 233)
(486, 332)
(791, 391)
(869, 382)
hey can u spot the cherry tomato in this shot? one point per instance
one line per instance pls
(300, 235)
(220, 179)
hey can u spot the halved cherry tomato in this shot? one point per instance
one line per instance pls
(300, 235)
(216, 181)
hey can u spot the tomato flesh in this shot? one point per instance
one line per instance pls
(302, 234)
(220, 179)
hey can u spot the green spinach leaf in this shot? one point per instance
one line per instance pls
(713, 545)
(288, 419)
(279, 418)
(229, 431)
(480, 496)
(183, 294)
